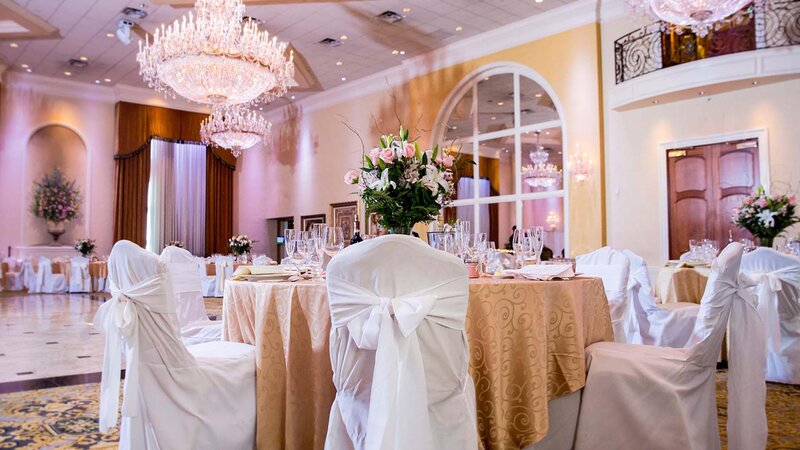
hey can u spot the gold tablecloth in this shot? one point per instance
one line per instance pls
(681, 284)
(526, 340)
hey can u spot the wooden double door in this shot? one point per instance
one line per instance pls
(705, 183)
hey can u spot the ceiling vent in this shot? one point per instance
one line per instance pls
(77, 63)
(254, 20)
(133, 13)
(390, 17)
(330, 42)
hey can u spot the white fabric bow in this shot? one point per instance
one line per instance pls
(398, 398)
(118, 318)
(767, 285)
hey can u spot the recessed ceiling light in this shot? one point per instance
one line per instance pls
(402, 52)
(14, 45)
(260, 108)
(539, 95)
(701, 93)
(494, 118)
(339, 63)
(486, 79)
(406, 10)
(459, 28)
(83, 58)
(343, 37)
(394, 52)
(24, 66)
(538, 1)
(96, 81)
(655, 102)
(293, 97)
(107, 80)
(547, 132)
(344, 79)
(109, 35)
(500, 103)
(69, 74)
(755, 83)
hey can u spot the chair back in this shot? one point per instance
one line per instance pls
(79, 279)
(44, 273)
(184, 272)
(398, 347)
(777, 274)
(224, 269)
(30, 276)
(261, 260)
(613, 267)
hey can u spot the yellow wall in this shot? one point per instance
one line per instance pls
(310, 153)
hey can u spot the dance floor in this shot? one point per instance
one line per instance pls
(66, 415)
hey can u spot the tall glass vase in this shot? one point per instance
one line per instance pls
(764, 241)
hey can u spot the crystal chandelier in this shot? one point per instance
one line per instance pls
(698, 15)
(235, 128)
(214, 57)
(580, 166)
(539, 173)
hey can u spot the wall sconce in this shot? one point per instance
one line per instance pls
(580, 166)
(552, 220)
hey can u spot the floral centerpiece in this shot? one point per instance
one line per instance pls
(240, 244)
(85, 247)
(56, 199)
(403, 184)
(765, 216)
(178, 244)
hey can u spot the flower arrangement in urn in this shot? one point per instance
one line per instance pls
(765, 216)
(85, 247)
(403, 184)
(240, 244)
(56, 199)
(178, 244)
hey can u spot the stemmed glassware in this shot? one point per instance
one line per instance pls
(315, 255)
(537, 243)
(288, 242)
(333, 240)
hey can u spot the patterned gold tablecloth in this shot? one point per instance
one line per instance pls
(681, 284)
(526, 340)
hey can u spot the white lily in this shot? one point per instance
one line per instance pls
(767, 218)
(382, 183)
(434, 178)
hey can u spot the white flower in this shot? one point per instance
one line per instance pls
(767, 218)
(382, 183)
(434, 178)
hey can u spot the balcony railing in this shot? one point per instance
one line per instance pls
(658, 46)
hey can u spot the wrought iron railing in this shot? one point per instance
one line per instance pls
(658, 46)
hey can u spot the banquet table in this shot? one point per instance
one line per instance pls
(681, 284)
(526, 339)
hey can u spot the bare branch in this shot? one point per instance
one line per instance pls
(343, 122)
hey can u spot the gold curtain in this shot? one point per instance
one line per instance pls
(219, 203)
(136, 125)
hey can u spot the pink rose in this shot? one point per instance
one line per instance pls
(374, 154)
(447, 160)
(387, 156)
(351, 177)
(747, 200)
(410, 151)
(762, 203)
(793, 200)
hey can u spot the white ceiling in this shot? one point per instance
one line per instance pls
(83, 25)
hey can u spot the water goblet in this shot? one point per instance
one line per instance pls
(333, 238)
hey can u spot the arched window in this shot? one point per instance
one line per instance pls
(507, 119)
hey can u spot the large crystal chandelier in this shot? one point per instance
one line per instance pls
(539, 173)
(214, 57)
(698, 15)
(235, 128)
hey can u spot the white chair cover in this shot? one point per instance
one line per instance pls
(196, 328)
(778, 288)
(645, 397)
(14, 277)
(30, 277)
(49, 282)
(262, 260)
(667, 325)
(398, 348)
(200, 397)
(224, 269)
(613, 267)
(79, 279)
(209, 282)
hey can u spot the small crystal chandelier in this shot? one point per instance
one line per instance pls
(215, 57)
(580, 166)
(235, 128)
(539, 173)
(552, 220)
(698, 15)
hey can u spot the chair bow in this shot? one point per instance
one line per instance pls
(398, 398)
(766, 286)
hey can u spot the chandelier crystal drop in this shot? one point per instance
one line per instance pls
(700, 16)
(215, 57)
(539, 173)
(235, 128)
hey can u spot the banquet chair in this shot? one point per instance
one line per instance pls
(49, 282)
(224, 269)
(664, 325)
(646, 397)
(778, 288)
(196, 328)
(262, 260)
(613, 267)
(175, 397)
(79, 279)
(13, 275)
(399, 349)
(208, 282)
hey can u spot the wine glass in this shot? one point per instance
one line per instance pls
(317, 229)
(537, 243)
(288, 236)
(333, 238)
(315, 258)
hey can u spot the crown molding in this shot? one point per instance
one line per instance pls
(557, 20)
(612, 10)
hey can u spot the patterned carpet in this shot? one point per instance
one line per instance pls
(66, 417)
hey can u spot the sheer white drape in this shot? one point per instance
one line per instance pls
(176, 198)
(466, 189)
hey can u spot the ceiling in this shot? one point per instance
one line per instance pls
(85, 28)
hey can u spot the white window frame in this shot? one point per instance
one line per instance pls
(471, 83)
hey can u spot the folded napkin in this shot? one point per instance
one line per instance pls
(543, 272)
(241, 271)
